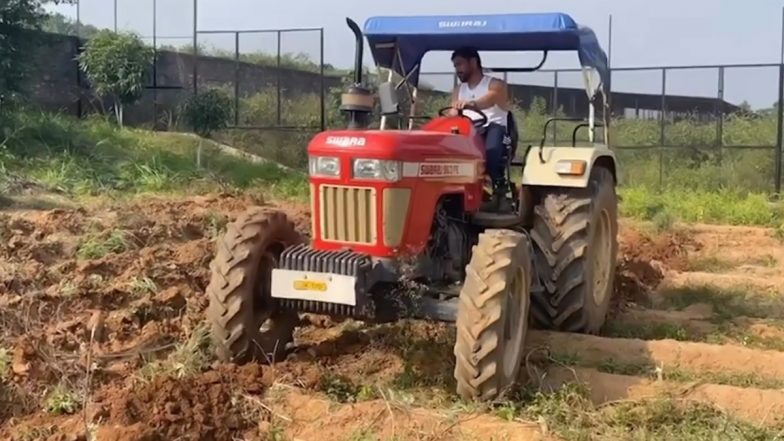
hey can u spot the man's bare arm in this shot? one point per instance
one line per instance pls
(498, 94)
(455, 94)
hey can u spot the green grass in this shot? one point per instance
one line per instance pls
(716, 264)
(143, 285)
(727, 303)
(701, 206)
(97, 245)
(730, 333)
(676, 374)
(94, 158)
(710, 264)
(62, 400)
(668, 419)
(188, 358)
(339, 388)
(647, 331)
(570, 413)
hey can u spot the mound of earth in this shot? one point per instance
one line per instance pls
(643, 260)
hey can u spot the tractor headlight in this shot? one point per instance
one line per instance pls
(380, 169)
(325, 166)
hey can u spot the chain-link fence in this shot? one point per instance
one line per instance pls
(694, 126)
(689, 126)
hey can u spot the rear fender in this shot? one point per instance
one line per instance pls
(543, 173)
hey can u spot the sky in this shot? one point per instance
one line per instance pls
(644, 33)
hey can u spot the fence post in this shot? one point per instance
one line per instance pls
(321, 79)
(720, 112)
(154, 63)
(236, 79)
(662, 138)
(195, 47)
(780, 130)
(277, 77)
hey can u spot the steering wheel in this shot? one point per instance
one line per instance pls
(479, 123)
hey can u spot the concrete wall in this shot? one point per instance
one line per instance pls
(56, 83)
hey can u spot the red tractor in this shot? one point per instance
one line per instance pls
(396, 226)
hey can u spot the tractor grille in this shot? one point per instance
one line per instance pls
(304, 258)
(348, 214)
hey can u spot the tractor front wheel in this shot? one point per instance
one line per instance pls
(492, 317)
(575, 244)
(246, 325)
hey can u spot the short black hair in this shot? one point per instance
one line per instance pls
(468, 53)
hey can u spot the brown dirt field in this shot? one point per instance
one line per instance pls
(745, 257)
(302, 416)
(134, 273)
(700, 357)
(757, 406)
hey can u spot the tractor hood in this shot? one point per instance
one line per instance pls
(405, 145)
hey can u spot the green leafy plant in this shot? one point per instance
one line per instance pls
(116, 64)
(206, 113)
(62, 400)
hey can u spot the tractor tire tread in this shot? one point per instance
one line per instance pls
(480, 320)
(561, 240)
(233, 285)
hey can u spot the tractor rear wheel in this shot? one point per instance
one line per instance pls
(239, 290)
(492, 317)
(575, 246)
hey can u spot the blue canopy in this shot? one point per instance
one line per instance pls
(412, 37)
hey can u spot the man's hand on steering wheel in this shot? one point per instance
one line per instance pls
(460, 106)
(465, 105)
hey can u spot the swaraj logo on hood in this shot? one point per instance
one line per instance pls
(462, 24)
(346, 141)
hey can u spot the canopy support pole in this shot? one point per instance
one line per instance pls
(384, 117)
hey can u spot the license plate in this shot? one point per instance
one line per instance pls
(314, 286)
(310, 285)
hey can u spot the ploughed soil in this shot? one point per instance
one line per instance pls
(101, 336)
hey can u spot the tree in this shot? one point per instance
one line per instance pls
(116, 65)
(17, 18)
(57, 23)
(207, 113)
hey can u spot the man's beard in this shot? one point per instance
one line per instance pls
(462, 76)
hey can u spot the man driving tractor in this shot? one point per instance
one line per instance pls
(490, 95)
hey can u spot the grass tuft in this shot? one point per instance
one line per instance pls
(97, 245)
(187, 359)
(570, 414)
(143, 285)
(5, 363)
(62, 400)
(339, 388)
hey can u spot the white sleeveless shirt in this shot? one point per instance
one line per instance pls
(495, 114)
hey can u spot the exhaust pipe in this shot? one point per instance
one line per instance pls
(358, 51)
(357, 101)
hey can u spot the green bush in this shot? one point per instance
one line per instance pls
(207, 112)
